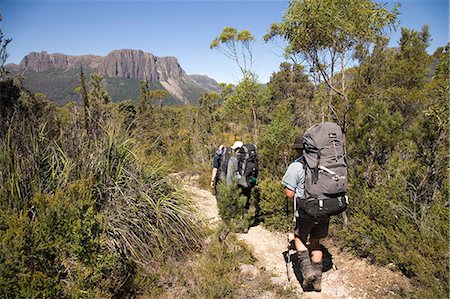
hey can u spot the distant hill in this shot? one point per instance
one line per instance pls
(57, 75)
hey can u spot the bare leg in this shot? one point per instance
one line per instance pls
(316, 252)
(299, 244)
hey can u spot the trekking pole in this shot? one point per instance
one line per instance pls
(288, 257)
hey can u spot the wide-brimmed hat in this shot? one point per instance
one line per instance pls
(237, 144)
(298, 142)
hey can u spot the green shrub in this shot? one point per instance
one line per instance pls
(81, 215)
(236, 209)
(273, 205)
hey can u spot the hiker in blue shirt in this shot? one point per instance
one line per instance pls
(216, 165)
(294, 187)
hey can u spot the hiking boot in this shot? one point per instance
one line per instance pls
(306, 267)
(317, 268)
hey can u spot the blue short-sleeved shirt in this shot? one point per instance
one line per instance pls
(217, 158)
(294, 178)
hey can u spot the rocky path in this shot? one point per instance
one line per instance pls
(349, 277)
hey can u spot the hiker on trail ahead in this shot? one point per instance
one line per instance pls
(232, 168)
(216, 164)
(237, 164)
(225, 165)
(294, 184)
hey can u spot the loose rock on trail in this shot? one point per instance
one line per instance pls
(347, 276)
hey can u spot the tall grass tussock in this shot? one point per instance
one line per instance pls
(81, 215)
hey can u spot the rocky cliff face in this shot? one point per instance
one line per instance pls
(135, 64)
(42, 61)
(126, 63)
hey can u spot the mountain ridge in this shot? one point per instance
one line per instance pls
(131, 66)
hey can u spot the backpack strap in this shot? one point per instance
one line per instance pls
(316, 169)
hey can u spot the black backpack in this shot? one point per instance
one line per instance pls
(326, 171)
(222, 170)
(247, 157)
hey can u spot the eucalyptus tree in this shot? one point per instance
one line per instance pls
(241, 102)
(246, 105)
(3, 54)
(327, 35)
(236, 45)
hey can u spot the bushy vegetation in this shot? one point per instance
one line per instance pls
(398, 148)
(394, 111)
(236, 207)
(81, 216)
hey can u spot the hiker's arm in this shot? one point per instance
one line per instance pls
(289, 193)
(289, 181)
(216, 165)
(213, 176)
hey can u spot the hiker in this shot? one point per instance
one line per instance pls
(216, 165)
(294, 187)
(232, 167)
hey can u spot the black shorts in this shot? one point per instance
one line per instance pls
(306, 225)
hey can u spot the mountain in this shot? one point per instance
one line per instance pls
(206, 82)
(57, 75)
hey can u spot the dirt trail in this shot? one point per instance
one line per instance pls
(350, 277)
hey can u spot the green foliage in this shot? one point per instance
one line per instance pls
(340, 25)
(60, 85)
(148, 99)
(378, 134)
(408, 67)
(385, 229)
(275, 142)
(90, 212)
(290, 84)
(272, 205)
(87, 215)
(97, 91)
(243, 106)
(397, 150)
(121, 89)
(288, 111)
(328, 34)
(127, 114)
(396, 112)
(236, 209)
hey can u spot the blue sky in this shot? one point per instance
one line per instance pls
(183, 29)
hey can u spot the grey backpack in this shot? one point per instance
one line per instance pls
(225, 157)
(326, 172)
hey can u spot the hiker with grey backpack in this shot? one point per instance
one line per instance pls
(317, 182)
(236, 164)
(236, 176)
